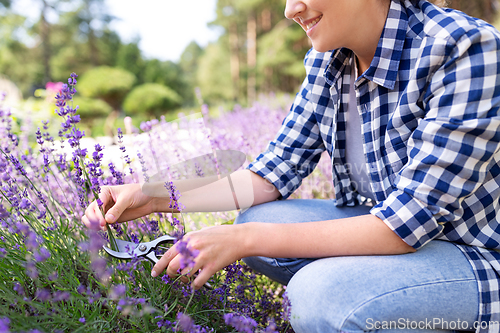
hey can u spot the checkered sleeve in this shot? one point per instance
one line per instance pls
(297, 148)
(454, 143)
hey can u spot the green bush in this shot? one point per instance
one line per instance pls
(151, 98)
(90, 108)
(107, 83)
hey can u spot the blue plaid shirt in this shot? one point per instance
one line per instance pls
(429, 108)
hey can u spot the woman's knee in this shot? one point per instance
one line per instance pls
(314, 306)
(351, 293)
(249, 215)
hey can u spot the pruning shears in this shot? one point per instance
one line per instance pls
(129, 250)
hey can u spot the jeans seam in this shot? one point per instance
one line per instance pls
(399, 289)
(283, 267)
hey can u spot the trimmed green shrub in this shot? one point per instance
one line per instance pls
(92, 108)
(152, 99)
(107, 83)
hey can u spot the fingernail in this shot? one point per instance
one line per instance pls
(110, 217)
(153, 274)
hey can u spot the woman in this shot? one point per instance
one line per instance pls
(403, 95)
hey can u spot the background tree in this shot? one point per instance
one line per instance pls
(188, 65)
(258, 51)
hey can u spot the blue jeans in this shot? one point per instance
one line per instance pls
(431, 290)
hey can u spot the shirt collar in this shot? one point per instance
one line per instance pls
(384, 67)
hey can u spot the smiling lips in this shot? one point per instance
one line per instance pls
(311, 23)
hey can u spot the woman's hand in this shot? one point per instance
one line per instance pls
(120, 203)
(218, 247)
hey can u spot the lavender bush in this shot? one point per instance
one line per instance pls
(54, 276)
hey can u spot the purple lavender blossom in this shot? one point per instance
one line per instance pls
(287, 307)
(174, 196)
(31, 241)
(81, 289)
(164, 323)
(117, 227)
(43, 295)
(125, 157)
(42, 254)
(3, 252)
(4, 325)
(271, 328)
(240, 323)
(82, 320)
(17, 165)
(94, 168)
(184, 323)
(60, 296)
(187, 254)
(144, 168)
(146, 126)
(118, 291)
(117, 175)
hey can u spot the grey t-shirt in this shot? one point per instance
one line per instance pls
(355, 155)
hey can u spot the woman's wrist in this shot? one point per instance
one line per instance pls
(247, 237)
(161, 205)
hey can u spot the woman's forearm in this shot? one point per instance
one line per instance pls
(360, 235)
(241, 189)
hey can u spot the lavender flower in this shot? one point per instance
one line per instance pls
(287, 307)
(118, 291)
(184, 323)
(144, 168)
(164, 323)
(271, 328)
(82, 320)
(240, 323)
(60, 296)
(17, 165)
(19, 289)
(42, 254)
(187, 254)
(117, 175)
(134, 238)
(4, 325)
(81, 289)
(146, 126)
(94, 168)
(174, 196)
(43, 295)
(125, 157)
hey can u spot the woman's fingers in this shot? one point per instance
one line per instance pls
(203, 276)
(215, 248)
(164, 262)
(93, 217)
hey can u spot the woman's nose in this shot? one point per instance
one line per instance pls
(294, 7)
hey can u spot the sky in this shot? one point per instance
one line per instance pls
(165, 27)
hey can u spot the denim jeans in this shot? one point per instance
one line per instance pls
(431, 290)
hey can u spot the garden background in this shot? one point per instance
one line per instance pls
(132, 112)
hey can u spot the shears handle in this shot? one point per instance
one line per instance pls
(152, 257)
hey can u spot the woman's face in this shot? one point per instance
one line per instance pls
(331, 24)
(328, 23)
